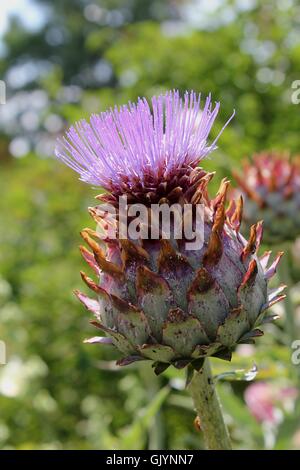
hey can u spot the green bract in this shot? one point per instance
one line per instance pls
(157, 301)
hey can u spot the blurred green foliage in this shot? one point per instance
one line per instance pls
(56, 392)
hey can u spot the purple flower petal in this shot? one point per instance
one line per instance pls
(137, 140)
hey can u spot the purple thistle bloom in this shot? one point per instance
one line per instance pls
(157, 298)
(132, 143)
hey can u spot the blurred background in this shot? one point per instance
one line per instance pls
(60, 61)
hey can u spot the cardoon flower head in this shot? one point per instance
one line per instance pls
(270, 185)
(156, 299)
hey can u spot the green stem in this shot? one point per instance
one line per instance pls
(156, 433)
(285, 278)
(206, 401)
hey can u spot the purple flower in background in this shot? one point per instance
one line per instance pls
(266, 401)
(139, 144)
